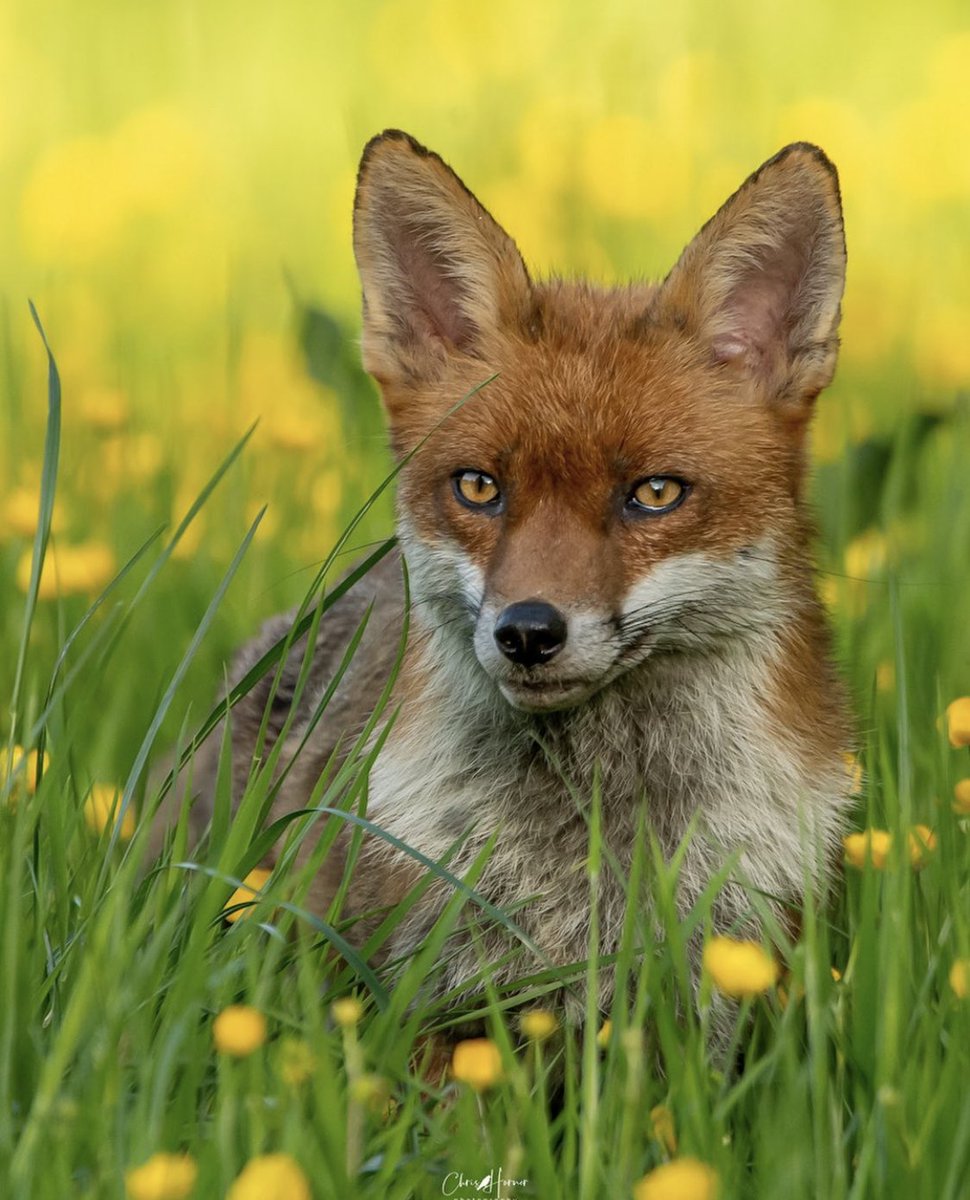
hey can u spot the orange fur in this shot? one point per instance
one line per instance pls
(692, 670)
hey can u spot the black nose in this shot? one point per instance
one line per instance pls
(530, 632)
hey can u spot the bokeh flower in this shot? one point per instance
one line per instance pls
(604, 1034)
(922, 843)
(739, 968)
(87, 193)
(249, 890)
(538, 1024)
(865, 555)
(682, 1179)
(634, 169)
(885, 676)
(239, 1030)
(296, 1061)
(20, 770)
(961, 797)
(294, 431)
(854, 769)
(873, 845)
(960, 977)
(270, 1177)
(326, 494)
(662, 1125)
(100, 811)
(79, 570)
(347, 1011)
(370, 1090)
(103, 409)
(958, 722)
(477, 1062)
(21, 511)
(162, 1177)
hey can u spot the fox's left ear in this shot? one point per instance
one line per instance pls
(762, 282)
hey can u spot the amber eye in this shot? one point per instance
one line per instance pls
(476, 489)
(658, 494)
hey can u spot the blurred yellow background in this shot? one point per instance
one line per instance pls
(173, 174)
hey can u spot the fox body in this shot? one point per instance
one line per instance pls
(608, 555)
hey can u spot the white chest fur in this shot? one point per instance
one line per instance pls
(686, 738)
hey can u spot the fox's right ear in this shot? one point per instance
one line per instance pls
(438, 274)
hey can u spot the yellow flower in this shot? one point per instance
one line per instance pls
(538, 1024)
(961, 797)
(634, 169)
(86, 194)
(922, 843)
(70, 570)
(251, 885)
(326, 493)
(830, 589)
(604, 1035)
(143, 456)
(860, 846)
(347, 1012)
(100, 809)
(291, 430)
(297, 1062)
(22, 510)
(270, 1177)
(854, 770)
(865, 556)
(162, 1177)
(22, 772)
(372, 1090)
(739, 968)
(885, 676)
(662, 1123)
(682, 1179)
(960, 977)
(239, 1030)
(71, 210)
(104, 409)
(958, 722)
(477, 1062)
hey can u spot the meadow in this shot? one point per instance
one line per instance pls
(195, 447)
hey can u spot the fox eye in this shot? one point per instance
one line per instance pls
(476, 489)
(658, 494)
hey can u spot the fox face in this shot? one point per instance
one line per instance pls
(591, 477)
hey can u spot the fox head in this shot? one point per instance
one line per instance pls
(598, 475)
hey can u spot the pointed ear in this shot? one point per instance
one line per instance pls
(438, 273)
(761, 284)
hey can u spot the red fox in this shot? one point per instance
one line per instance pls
(608, 552)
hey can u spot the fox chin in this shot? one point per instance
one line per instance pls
(607, 550)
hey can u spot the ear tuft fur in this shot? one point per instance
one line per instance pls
(762, 282)
(438, 273)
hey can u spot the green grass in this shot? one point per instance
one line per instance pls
(112, 968)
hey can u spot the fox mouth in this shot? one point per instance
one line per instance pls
(546, 695)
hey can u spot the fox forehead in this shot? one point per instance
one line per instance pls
(596, 396)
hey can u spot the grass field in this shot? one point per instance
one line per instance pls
(176, 200)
